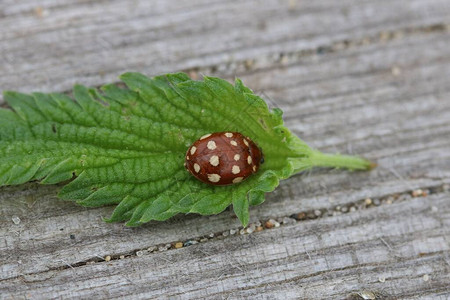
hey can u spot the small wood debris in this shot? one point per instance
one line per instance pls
(249, 63)
(292, 4)
(301, 216)
(190, 242)
(396, 71)
(287, 220)
(384, 36)
(271, 224)
(251, 228)
(164, 247)
(40, 12)
(16, 220)
(367, 295)
(418, 193)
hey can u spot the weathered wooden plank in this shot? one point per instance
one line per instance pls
(52, 45)
(375, 249)
(368, 77)
(41, 245)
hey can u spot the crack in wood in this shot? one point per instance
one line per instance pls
(258, 226)
(292, 57)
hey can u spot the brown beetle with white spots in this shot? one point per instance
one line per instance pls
(223, 158)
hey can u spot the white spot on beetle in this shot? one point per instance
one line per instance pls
(187, 157)
(193, 149)
(211, 145)
(254, 168)
(205, 136)
(245, 142)
(196, 168)
(214, 160)
(237, 157)
(233, 143)
(228, 134)
(235, 169)
(238, 179)
(214, 177)
(249, 160)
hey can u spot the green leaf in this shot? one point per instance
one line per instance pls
(126, 146)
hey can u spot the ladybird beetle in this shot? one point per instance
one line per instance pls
(223, 158)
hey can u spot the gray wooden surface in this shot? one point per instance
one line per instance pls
(362, 77)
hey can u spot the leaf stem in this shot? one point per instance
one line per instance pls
(319, 159)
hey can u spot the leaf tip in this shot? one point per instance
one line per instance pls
(241, 209)
(244, 223)
(11, 96)
(107, 220)
(125, 75)
(8, 93)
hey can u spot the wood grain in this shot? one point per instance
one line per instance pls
(54, 44)
(362, 77)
